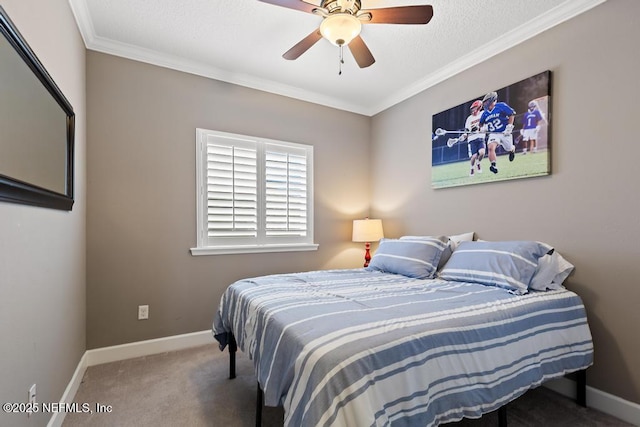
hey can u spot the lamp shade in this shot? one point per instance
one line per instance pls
(367, 230)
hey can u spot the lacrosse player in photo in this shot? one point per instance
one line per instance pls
(475, 138)
(532, 121)
(497, 119)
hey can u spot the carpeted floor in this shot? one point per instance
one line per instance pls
(191, 388)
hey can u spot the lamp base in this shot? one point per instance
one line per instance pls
(367, 254)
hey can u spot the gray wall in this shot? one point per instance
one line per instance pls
(588, 208)
(141, 218)
(42, 251)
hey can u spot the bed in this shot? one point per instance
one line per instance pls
(405, 342)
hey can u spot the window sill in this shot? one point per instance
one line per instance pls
(228, 250)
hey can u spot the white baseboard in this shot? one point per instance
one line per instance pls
(70, 392)
(600, 400)
(123, 352)
(145, 348)
(597, 399)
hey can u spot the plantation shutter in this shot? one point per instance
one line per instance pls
(285, 191)
(254, 194)
(232, 188)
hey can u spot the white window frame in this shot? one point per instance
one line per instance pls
(207, 245)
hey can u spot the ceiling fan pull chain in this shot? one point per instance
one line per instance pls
(341, 62)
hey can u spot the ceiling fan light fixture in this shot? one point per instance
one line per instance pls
(340, 28)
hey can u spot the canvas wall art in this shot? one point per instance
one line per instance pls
(499, 135)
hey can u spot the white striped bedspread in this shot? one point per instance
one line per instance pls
(361, 348)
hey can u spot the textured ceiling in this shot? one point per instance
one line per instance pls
(242, 42)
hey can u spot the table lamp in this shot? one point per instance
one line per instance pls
(367, 230)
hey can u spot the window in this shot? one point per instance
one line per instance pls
(253, 194)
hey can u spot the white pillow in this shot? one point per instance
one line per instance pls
(458, 238)
(552, 270)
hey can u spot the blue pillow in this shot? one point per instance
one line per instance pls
(453, 242)
(509, 265)
(412, 258)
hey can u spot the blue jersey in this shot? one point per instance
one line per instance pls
(531, 119)
(498, 118)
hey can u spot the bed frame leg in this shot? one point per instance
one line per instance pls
(259, 399)
(581, 388)
(233, 347)
(502, 416)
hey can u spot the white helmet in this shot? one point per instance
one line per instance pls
(489, 98)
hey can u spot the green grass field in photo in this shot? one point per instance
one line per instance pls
(523, 166)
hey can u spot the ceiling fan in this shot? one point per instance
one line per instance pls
(342, 23)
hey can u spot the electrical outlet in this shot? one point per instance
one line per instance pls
(32, 394)
(32, 400)
(143, 312)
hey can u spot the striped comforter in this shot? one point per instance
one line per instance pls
(361, 348)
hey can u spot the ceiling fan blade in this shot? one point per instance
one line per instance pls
(303, 45)
(361, 52)
(400, 15)
(293, 4)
